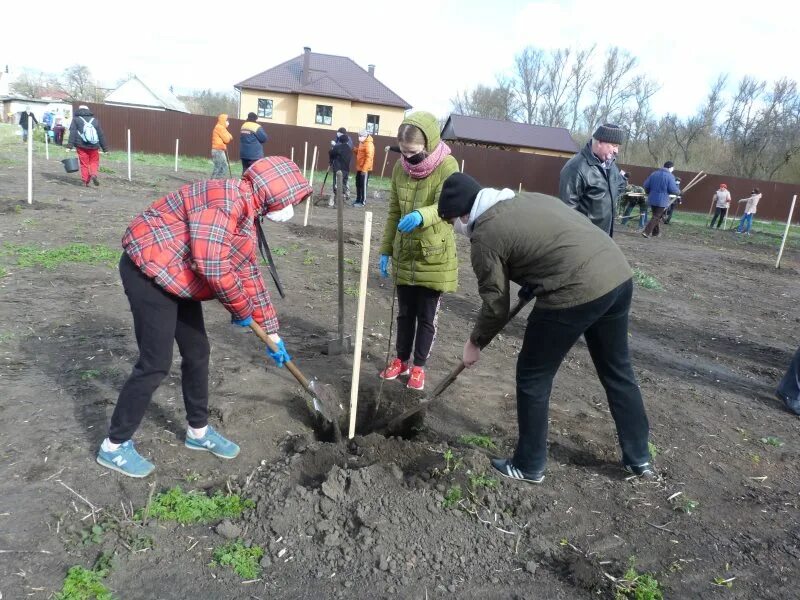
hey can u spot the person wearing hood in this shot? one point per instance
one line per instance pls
(87, 137)
(197, 243)
(746, 222)
(340, 156)
(419, 244)
(591, 182)
(365, 155)
(659, 185)
(251, 139)
(220, 138)
(582, 285)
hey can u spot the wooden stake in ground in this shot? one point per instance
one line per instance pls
(129, 155)
(462, 165)
(520, 188)
(177, 143)
(785, 232)
(308, 202)
(362, 303)
(292, 157)
(30, 158)
(305, 159)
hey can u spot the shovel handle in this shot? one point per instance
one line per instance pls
(264, 337)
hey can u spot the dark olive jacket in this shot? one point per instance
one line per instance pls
(537, 241)
(590, 189)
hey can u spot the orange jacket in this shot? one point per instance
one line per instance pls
(220, 137)
(365, 153)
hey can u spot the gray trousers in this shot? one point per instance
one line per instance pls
(220, 164)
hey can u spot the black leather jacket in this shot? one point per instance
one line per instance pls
(590, 189)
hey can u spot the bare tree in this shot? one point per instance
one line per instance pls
(208, 102)
(579, 77)
(77, 84)
(31, 85)
(714, 104)
(489, 102)
(612, 89)
(529, 86)
(554, 110)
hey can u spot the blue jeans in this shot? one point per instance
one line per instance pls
(548, 338)
(745, 224)
(629, 210)
(789, 387)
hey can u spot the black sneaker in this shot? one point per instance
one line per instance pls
(507, 469)
(643, 471)
(792, 406)
(644, 235)
(94, 180)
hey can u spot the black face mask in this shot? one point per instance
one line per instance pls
(417, 158)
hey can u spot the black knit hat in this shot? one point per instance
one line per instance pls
(252, 116)
(341, 130)
(458, 195)
(669, 164)
(609, 133)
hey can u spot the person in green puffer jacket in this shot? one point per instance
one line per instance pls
(419, 243)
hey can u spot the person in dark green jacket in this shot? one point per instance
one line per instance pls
(582, 285)
(419, 244)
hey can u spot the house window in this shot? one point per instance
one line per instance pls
(373, 123)
(265, 108)
(324, 114)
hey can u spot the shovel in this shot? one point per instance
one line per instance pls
(524, 297)
(324, 401)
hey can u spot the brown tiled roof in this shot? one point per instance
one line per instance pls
(507, 133)
(332, 76)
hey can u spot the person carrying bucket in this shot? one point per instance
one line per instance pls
(195, 244)
(86, 136)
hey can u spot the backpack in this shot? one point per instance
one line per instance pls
(89, 133)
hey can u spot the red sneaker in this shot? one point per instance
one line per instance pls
(396, 368)
(417, 379)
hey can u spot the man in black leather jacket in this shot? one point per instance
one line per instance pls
(591, 182)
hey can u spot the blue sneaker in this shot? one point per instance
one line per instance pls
(125, 460)
(213, 442)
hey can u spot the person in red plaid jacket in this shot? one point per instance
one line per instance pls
(195, 244)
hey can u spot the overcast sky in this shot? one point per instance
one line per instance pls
(424, 51)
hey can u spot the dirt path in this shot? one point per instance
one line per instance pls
(366, 519)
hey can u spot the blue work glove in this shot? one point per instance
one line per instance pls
(410, 222)
(242, 322)
(281, 356)
(384, 265)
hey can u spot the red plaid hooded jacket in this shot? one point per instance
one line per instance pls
(200, 241)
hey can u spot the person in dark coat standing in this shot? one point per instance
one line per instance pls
(86, 144)
(591, 181)
(582, 285)
(659, 185)
(250, 141)
(25, 122)
(340, 157)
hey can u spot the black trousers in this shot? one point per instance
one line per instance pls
(159, 319)
(655, 220)
(361, 186)
(548, 337)
(720, 213)
(418, 308)
(247, 163)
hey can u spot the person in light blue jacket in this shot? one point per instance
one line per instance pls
(659, 186)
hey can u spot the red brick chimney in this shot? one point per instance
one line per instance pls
(306, 74)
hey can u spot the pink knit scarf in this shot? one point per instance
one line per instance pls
(427, 166)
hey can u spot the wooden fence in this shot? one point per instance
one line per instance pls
(155, 131)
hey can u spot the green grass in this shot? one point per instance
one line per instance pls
(452, 497)
(646, 281)
(638, 586)
(482, 481)
(194, 507)
(772, 441)
(280, 251)
(90, 374)
(3, 272)
(482, 441)
(684, 504)
(244, 561)
(84, 584)
(653, 449)
(50, 258)
(351, 290)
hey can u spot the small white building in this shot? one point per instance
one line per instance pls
(136, 94)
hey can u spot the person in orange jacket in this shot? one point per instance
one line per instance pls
(220, 138)
(365, 154)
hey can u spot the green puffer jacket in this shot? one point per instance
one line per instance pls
(426, 256)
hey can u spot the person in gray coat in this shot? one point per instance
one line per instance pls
(591, 181)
